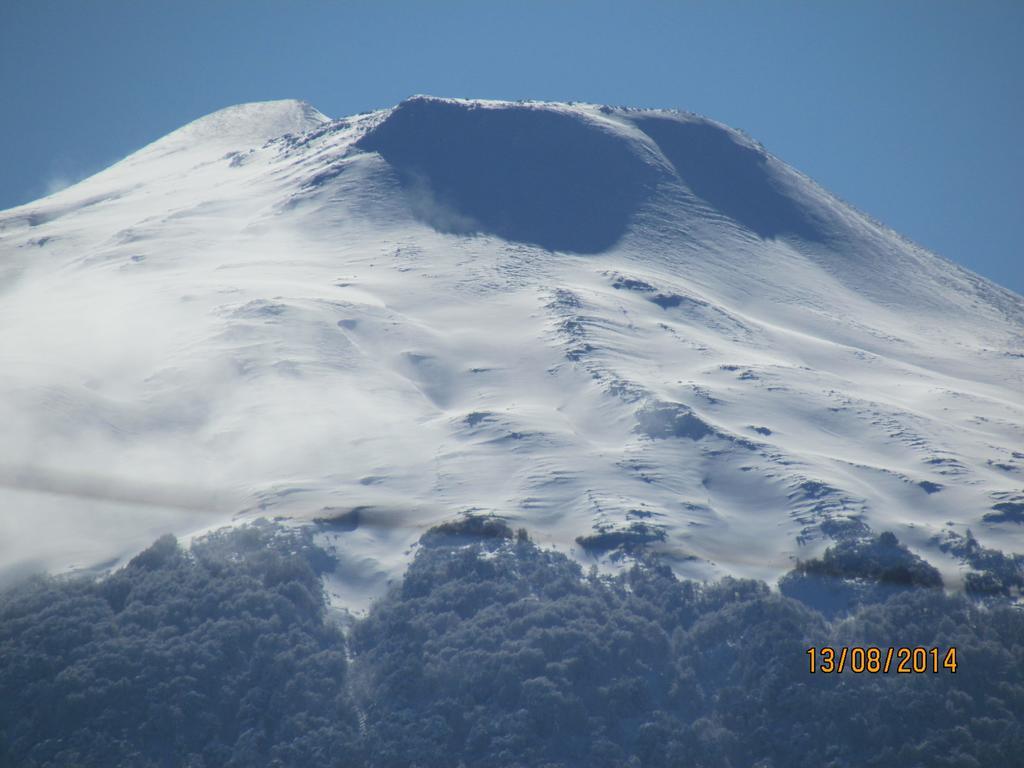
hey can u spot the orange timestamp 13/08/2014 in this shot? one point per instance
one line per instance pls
(876, 660)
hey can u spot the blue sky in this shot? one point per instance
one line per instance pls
(912, 111)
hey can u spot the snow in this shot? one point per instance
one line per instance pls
(570, 315)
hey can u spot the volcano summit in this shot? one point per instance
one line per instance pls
(619, 328)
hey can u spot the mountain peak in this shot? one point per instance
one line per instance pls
(586, 179)
(597, 322)
(243, 126)
(573, 176)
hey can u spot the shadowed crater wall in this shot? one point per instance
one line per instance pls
(734, 178)
(526, 174)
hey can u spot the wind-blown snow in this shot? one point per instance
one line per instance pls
(578, 317)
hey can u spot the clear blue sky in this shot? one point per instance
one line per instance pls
(912, 111)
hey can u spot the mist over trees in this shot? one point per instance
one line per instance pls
(493, 651)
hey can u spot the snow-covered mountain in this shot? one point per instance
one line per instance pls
(604, 324)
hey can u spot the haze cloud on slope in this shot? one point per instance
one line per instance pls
(124, 418)
(431, 209)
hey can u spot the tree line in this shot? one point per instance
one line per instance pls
(494, 651)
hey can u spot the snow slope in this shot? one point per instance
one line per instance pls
(588, 320)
